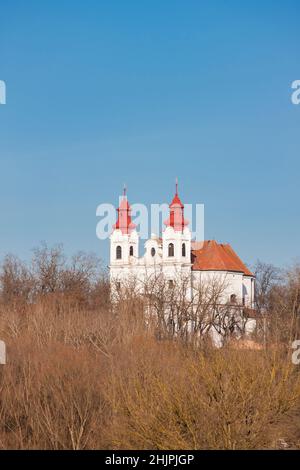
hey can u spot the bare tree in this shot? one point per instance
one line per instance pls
(47, 266)
(17, 281)
(267, 276)
(79, 277)
(184, 308)
(283, 310)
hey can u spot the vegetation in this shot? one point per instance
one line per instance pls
(83, 373)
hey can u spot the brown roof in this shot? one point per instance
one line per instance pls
(213, 256)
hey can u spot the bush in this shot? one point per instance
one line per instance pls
(85, 374)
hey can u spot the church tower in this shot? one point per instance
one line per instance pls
(124, 240)
(177, 236)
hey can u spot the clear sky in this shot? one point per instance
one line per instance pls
(105, 92)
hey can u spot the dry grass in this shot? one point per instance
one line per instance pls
(79, 379)
(85, 374)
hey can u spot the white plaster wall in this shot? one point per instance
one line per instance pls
(232, 282)
(155, 243)
(137, 268)
(117, 238)
(177, 238)
(248, 289)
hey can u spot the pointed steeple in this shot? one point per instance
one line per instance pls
(176, 218)
(124, 222)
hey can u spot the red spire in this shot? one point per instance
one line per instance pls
(124, 222)
(176, 219)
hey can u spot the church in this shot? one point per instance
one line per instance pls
(176, 256)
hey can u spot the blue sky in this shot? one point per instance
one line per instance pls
(105, 92)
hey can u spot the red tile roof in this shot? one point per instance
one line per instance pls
(213, 256)
(176, 218)
(124, 222)
(176, 202)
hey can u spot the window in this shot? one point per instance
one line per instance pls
(118, 285)
(233, 299)
(171, 249)
(171, 283)
(119, 252)
(183, 250)
(131, 251)
(153, 251)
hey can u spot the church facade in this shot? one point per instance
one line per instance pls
(175, 256)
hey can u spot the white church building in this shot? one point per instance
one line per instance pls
(176, 255)
(177, 259)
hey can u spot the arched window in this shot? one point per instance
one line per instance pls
(171, 249)
(119, 252)
(153, 251)
(183, 250)
(233, 299)
(131, 251)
